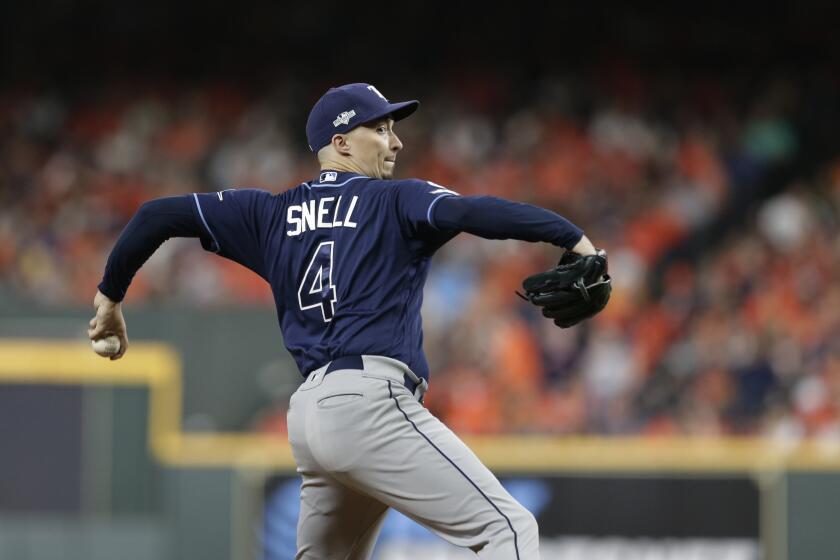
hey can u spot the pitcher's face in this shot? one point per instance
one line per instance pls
(374, 147)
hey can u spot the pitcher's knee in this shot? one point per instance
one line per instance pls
(525, 525)
(514, 532)
(526, 531)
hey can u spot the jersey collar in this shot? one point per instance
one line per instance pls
(329, 178)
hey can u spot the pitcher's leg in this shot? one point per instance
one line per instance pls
(421, 468)
(336, 522)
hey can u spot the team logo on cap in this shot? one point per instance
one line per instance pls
(376, 91)
(344, 118)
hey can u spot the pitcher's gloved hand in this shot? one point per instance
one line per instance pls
(576, 289)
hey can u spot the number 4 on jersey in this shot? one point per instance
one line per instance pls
(316, 289)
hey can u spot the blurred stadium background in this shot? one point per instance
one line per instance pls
(697, 418)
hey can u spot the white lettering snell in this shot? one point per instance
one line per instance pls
(320, 214)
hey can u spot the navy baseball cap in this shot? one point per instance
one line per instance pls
(343, 108)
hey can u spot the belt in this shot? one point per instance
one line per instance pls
(417, 385)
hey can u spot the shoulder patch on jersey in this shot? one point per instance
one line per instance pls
(441, 189)
(221, 194)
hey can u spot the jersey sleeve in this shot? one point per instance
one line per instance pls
(496, 218)
(415, 201)
(237, 224)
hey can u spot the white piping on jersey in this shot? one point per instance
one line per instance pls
(207, 227)
(341, 184)
(429, 211)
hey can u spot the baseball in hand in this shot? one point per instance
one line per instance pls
(107, 346)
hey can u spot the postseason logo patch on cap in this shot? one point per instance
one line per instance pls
(344, 118)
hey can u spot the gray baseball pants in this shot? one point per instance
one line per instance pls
(363, 443)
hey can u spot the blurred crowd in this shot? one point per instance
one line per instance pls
(742, 341)
(739, 338)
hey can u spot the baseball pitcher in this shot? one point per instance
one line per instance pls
(346, 255)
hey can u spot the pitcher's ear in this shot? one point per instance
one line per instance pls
(340, 144)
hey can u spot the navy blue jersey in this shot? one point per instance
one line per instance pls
(346, 257)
